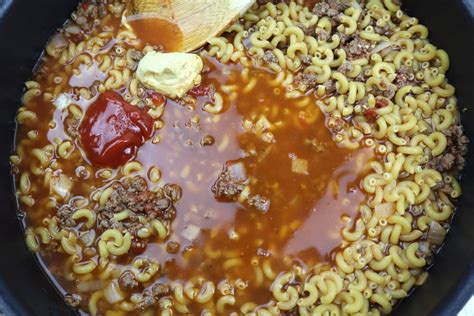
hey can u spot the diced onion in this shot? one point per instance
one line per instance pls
(113, 294)
(191, 232)
(381, 46)
(237, 171)
(88, 237)
(62, 101)
(436, 233)
(62, 185)
(384, 210)
(299, 166)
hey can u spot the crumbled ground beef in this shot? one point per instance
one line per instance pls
(172, 246)
(127, 282)
(322, 35)
(358, 48)
(404, 77)
(260, 203)
(230, 185)
(454, 158)
(133, 195)
(159, 290)
(73, 300)
(331, 8)
(174, 192)
(207, 140)
(269, 58)
(71, 125)
(151, 297)
(345, 68)
(263, 252)
(64, 214)
(306, 81)
(306, 60)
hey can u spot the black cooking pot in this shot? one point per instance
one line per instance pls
(24, 29)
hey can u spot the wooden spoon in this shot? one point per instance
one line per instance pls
(184, 25)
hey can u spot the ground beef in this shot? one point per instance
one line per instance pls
(229, 185)
(151, 297)
(71, 125)
(146, 302)
(306, 81)
(174, 192)
(331, 8)
(322, 35)
(404, 77)
(73, 300)
(358, 48)
(260, 203)
(268, 58)
(330, 87)
(64, 214)
(127, 282)
(345, 68)
(454, 157)
(207, 140)
(172, 246)
(134, 195)
(306, 60)
(263, 252)
(159, 290)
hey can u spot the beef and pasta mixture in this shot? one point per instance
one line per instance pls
(306, 162)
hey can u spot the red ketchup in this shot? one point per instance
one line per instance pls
(113, 130)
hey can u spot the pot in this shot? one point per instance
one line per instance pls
(25, 26)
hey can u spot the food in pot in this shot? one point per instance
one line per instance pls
(306, 162)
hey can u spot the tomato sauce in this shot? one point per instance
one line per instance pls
(113, 130)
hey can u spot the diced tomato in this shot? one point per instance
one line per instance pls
(113, 130)
(199, 91)
(157, 98)
(381, 103)
(85, 6)
(370, 115)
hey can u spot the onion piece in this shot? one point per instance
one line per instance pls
(237, 171)
(300, 166)
(113, 294)
(88, 237)
(62, 101)
(436, 233)
(62, 185)
(191, 232)
(381, 46)
(56, 45)
(384, 210)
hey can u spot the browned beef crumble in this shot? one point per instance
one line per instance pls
(151, 297)
(358, 48)
(331, 8)
(232, 181)
(260, 203)
(71, 125)
(229, 186)
(128, 282)
(454, 158)
(306, 81)
(73, 300)
(133, 194)
(172, 246)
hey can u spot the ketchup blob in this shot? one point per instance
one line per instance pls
(113, 130)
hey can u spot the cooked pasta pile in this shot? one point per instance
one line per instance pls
(364, 68)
